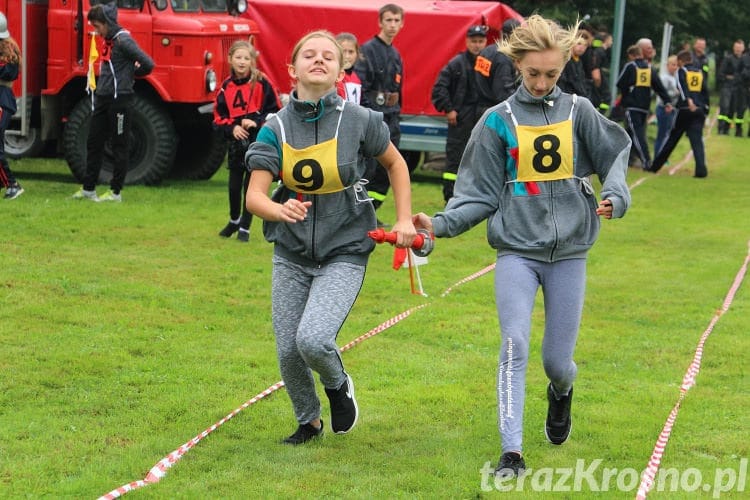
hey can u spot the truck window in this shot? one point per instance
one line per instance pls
(186, 5)
(214, 5)
(197, 5)
(121, 4)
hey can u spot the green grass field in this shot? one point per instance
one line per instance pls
(128, 329)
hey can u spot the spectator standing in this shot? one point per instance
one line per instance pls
(635, 82)
(122, 61)
(700, 58)
(242, 105)
(573, 78)
(745, 63)
(525, 171)
(495, 74)
(732, 98)
(381, 71)
(692, 109)
(10, 61)
(455, 94)
(597, 60)
(318, 219)
(664, 120)
(350, 87)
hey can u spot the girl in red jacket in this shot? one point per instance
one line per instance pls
(244, 101)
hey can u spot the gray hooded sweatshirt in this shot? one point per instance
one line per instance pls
(337, 223)
(548, 220)
(117, 75)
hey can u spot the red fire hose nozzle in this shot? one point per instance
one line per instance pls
(422, 245)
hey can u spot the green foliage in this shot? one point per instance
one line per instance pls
(720, 22)
(128, 329)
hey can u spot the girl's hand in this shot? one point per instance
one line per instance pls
(293, 210)
(422, 221)
(247, 124)
(239, 133)
(605, 209)
(405, 233)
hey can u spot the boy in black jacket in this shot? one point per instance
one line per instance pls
(122, 60)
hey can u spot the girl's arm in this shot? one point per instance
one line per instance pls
(398, 173)
(259, 203)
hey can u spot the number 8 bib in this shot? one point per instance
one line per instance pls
(545, 153)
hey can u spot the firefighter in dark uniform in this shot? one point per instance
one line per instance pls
(692, 110)
(495, 74)
(381, 71)
(635, 82)
(700, 58)
(745, 61)
(732, 99)
(455, 94)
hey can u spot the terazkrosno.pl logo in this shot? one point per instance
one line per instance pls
(593, 477)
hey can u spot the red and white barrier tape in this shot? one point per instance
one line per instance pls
(688, 381)
(159, 470)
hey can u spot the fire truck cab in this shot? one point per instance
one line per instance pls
(171, 122)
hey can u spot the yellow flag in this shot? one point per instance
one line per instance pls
(93, 56)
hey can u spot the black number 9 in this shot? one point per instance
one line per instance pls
(308, 174)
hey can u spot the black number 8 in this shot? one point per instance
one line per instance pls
(309, 174)
(542, 152)
(694, 82)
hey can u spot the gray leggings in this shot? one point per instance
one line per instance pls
(309, 306)
(516, 282)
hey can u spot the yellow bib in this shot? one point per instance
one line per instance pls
(694, 80)
(545, 153)
(313, 169)
(642, 77)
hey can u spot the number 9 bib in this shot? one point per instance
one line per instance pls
(313, 169)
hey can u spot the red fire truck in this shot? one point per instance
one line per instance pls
(172, 112)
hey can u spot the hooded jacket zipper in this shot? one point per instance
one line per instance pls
(551, 196)
(314, 207)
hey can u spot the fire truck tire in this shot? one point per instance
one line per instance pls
(20, 147)
(200, 153)
(153, 143)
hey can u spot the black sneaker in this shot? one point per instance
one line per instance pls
(344, 410)
(511, 464)
(557, 427)
(229, 230)
(304, 433)
(243, 235)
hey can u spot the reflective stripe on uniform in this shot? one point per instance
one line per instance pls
(376, 196)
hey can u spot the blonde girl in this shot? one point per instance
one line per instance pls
(526, 171)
